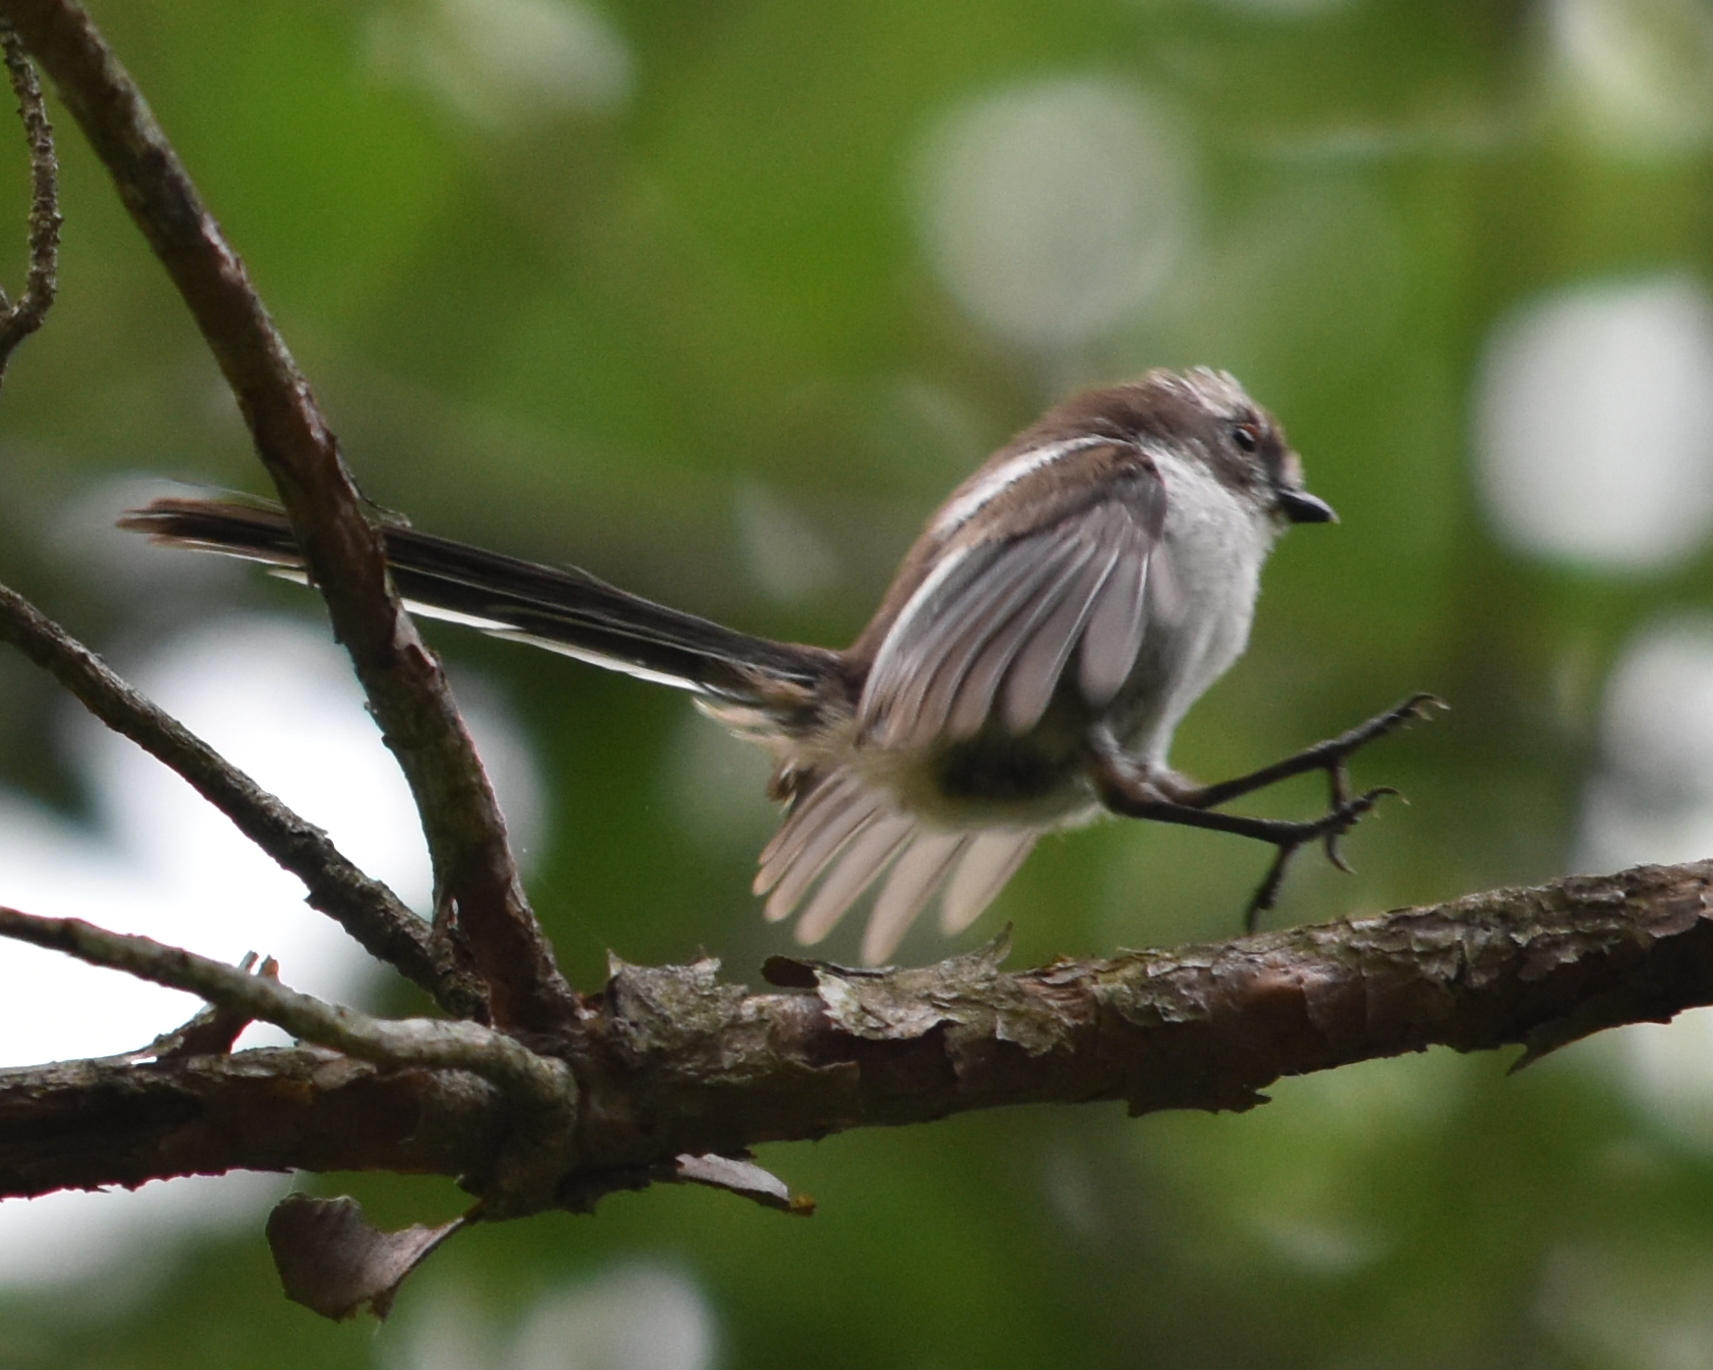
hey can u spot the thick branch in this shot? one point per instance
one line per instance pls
(539, 1093)
(674, 1062)
(365, 908)
(478, 894)
(84, 1124)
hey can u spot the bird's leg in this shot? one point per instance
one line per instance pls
(1330, 756)
(1126, 789)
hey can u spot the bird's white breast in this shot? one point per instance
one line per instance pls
(1202, 588)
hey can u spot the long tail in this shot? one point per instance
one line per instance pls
(560, 608)
(841, 837)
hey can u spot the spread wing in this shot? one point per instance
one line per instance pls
(846, 836)
(1012, 610)
(1003, 620)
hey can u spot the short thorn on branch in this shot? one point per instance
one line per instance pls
(1126, 790)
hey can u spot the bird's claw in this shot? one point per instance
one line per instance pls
(1338, 820)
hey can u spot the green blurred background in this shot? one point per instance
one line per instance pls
(718, 301)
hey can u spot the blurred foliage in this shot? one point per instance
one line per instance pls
(654, 310)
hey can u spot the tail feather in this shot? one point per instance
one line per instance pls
(843, 837)
(561, 608)
(856, 867)
(915, 878)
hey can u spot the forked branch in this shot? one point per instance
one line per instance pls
(674, 1061)
(572, 1099)
(364, 907)
(480, 911)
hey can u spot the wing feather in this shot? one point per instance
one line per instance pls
(996, 635)
(1035, 674)
(799, 823)
(948, 636)
(1113, 638)
(912, 882)
(915, 708)
(962, 584)
(991, 858)
(836, 826)
(857, 867)
(966, 676)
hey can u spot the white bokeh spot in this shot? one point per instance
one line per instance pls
(502, 62)
(1594, 424)
(1629, 1302)
(278, 699)
(641, 1315)
(1052, 211)
(1638, 74)
(1651, 798)
(1665, 1070)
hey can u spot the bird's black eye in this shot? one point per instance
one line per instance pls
(1245, 436)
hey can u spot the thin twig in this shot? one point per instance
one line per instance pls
(480, 909)
(365, 908)
(435, 1044)
(20, 318)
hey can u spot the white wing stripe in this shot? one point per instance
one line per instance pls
(886, 661)
(1004, 476)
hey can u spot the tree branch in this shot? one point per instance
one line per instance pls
(674, 1062)
(479, 898)
(22, 317)
(365, 908)
(427, 1042)
(539, 1092)
(577, 1098)
(124, 1123)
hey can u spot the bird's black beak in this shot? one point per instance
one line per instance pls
(1301, 507)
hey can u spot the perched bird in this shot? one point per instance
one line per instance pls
(1050, 627)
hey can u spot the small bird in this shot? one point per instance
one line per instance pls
(1043, 638)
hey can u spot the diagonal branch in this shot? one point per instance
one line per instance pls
(22, 317)
(480, 905)
(365, 908)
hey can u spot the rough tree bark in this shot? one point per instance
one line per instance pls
(673, 1060)
(534, 1097)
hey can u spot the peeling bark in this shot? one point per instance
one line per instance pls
(673, 1061)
